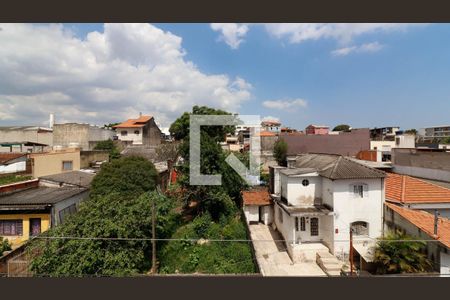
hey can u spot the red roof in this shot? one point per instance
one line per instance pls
(256, 197)
(131, 123)
(425, 221)
(267, 133)
(407, 189)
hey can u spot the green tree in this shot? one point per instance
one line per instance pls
(126, 176)
(110, 146)
(280, 152)
(411, 131)
(113, 231)
(342, 127)
(400, 253)
(445, 140)
(4, 245)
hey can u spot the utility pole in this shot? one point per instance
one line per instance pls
(351, 252)
(153, 271)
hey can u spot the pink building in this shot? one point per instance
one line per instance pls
(317, 129)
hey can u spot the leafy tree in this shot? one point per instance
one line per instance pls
(110, 125)
(119, 228)
(445, 140)
(342, 127)
(126, 176)
(280, 152)
(411, 131)
(110, 146)
(4, 245)
(400, 253)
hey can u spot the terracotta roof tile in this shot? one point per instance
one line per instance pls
(131, 123)
(425, 221)
(256, 197)
(407, 189)
(267, 133)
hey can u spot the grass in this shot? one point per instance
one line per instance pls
(13, 178)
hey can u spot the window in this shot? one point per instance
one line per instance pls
(136, 132)
(124, 133)
(302, 224)
(305, 182)
(360, 228)
(296, 223)
(314, 226)
(67, 165)
(11, 227)
(35, 226)
(358, 191)
(397, 141)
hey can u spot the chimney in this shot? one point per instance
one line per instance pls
(436, 220)
(140, 114)
(52, 120)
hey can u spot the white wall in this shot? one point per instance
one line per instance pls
(445, 263)
(382, 145)
(12, 168)
(287, 227)
(251, 213)
(267, 214)
(299, 195)
(348, 210)
(131, 136)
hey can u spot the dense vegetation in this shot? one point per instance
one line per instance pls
(110, 146)
(211, 213)
(342, 127)
(4, 245)
(401, 253)
(280, 152)
(119, 208)
(13, 178)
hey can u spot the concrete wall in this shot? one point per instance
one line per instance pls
(267, 214)
(348, 209)
(17, 240)
(86, 157)
(299, 195)
(251, 213)
(85, 135)
(445, 263)
(51, 163)
(286, 227)
(21, 135)
(382, 145)
(268, 143)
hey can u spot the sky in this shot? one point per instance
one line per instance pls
(364, 75)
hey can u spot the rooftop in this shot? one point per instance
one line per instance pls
(407, 189)
(6, 157)
(131, 123)
(336, 166)
(25, 128)
(425, 221)
(297, 171)
(38, 197)
(318, 126)
(256, 197)
(78, 178)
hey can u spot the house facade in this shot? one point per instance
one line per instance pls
(319, 198)
(317, 129)
(55, 162)
(140, 131)
(28, 209)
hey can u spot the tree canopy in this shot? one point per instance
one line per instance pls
(280, 152)
(119, 207)
(400, 253)
(411, 131)
(110, 146)
(342, 127)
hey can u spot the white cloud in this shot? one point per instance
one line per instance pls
(344, 33)
(231, 33)
(285, 104)
(369, 47)
(108, 76)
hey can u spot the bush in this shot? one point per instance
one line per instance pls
(4, 245)
(280, 152)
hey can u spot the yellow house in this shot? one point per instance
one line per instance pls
(28, 209)
(55, 162)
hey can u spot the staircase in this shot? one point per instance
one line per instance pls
(329, 263)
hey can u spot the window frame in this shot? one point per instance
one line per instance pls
(124, 133)
(18, 227)
(302, 224)
(305, 182)
(71, 165)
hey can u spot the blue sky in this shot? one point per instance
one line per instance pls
(365, 77)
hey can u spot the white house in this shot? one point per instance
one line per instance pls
(142, 131)
(318, 198)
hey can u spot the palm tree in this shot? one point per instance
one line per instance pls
(400, 253)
